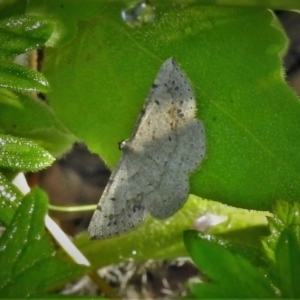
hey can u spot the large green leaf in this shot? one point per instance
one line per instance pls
(232, 57)
(157, 239)
(272, 4)
(28, 264)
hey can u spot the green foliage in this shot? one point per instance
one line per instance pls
(286, 216)
(65, 15)
(246, 107)
(224, 268)
(165, 236)
(97, 72)
(28, 264)
(19, 34)
(22, 155)
(224, 263)
(17, 111)
(17, 154)
(10, 198)
(27, 80)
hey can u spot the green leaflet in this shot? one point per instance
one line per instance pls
(28, 264)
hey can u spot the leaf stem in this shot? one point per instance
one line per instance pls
(72, 208)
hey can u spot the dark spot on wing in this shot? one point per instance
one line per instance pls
(170, 139)
(137, 207)
(154, 86)
(153, 135)
(176, 88)
(180, 114)
(113, 199)
(157, 102)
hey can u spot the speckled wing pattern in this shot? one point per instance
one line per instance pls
(167, 144)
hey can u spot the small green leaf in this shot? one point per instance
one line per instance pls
(24, 155)
(287, 262)
(287, 213)
(23, 116)
(28, 264)
(285, 216)
(252, 253)
(20, 34)
(10, 198)
(21, 78)
(231, 276)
